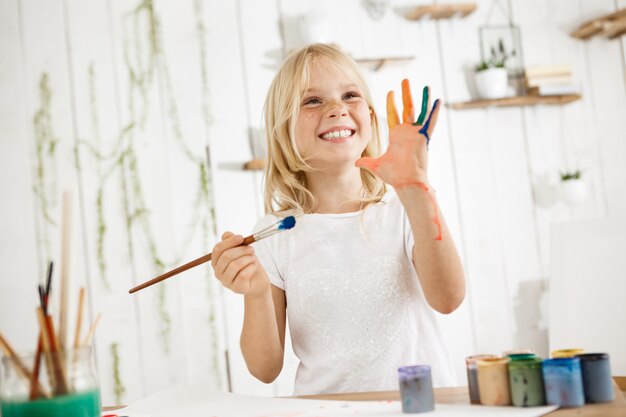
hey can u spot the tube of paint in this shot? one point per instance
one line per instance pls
(567, 353)
(416, 389)
(526, 382)
(597, 380)
(472, 376)
(563, 382)
(493, 381)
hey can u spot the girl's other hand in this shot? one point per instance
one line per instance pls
(406, 158)
(237, 267)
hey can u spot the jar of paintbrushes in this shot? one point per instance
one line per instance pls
(68, 386)
(59, 379)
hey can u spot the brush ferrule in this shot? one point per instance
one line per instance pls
(266, 233)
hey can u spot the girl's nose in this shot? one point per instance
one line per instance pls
(336, 109)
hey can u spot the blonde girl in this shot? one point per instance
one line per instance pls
(370, 260)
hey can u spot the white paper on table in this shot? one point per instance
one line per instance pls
(197, 401)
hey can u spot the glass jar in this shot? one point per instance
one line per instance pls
(67, 385)
(526, 382)
(416, 389)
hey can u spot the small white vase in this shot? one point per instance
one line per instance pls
(573, 192)
(492, 83)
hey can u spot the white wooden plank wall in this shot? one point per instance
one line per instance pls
(137, 93)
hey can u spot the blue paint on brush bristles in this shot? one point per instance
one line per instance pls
(287, 223)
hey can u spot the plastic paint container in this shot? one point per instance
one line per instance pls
(567, 353)
(521, 356)
(526, 382)
(493, 381)
(416, 389)
(597, 380)
(472, 376)
(563, 382)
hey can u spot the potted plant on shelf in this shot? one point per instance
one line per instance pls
(491, 76)
(573, 188)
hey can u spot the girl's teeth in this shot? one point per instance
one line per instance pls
(337, 134)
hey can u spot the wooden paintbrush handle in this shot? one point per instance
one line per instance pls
(206, 258)
(195, 262)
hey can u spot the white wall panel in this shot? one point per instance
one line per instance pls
(140, 146)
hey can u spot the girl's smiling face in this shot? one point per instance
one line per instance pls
(334, 121)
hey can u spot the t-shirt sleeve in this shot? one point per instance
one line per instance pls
(266, 252)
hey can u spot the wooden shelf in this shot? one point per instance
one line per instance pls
(515, 101)
(254, 165)
(609, 26)
(376, 64)
(440, 11)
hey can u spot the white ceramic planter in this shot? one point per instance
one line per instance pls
(573, 192)
(315, 27)
(491, 83)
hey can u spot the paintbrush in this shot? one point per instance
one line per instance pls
(285, 224)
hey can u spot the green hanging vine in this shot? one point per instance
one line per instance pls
(118, 386)
(142, 67)
(206, 184)
(45, 182)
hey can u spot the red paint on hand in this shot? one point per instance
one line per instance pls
(424, 187)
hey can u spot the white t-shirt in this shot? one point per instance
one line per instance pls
(355, 307)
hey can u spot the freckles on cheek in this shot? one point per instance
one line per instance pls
(310, 114)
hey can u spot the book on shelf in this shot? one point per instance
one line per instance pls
(550, 80)
(548, 71)
(553, 90)
(556, 80)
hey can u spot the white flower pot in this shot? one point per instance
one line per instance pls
(315, 27)
(492, 83)
(573, 192)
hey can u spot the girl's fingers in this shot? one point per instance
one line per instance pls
(371, 164)
(425, 106)
(228, 256)
(242, 282)
(234, 269)
(408, 111)
(431, 122)
(392, 114)
(229, 240)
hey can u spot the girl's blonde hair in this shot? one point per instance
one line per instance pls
(285, 180)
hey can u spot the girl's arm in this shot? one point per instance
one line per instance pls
(263, 332)
(436, 262)
(404, 166)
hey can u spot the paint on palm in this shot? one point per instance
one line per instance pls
(404, 163)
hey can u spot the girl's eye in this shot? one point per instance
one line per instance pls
(350, 95)
(311, 100)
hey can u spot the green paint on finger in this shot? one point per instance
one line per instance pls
(422, 115)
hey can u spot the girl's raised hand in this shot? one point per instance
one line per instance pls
(406, 159)
(237, 267)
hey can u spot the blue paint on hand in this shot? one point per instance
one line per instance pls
(424, 129)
